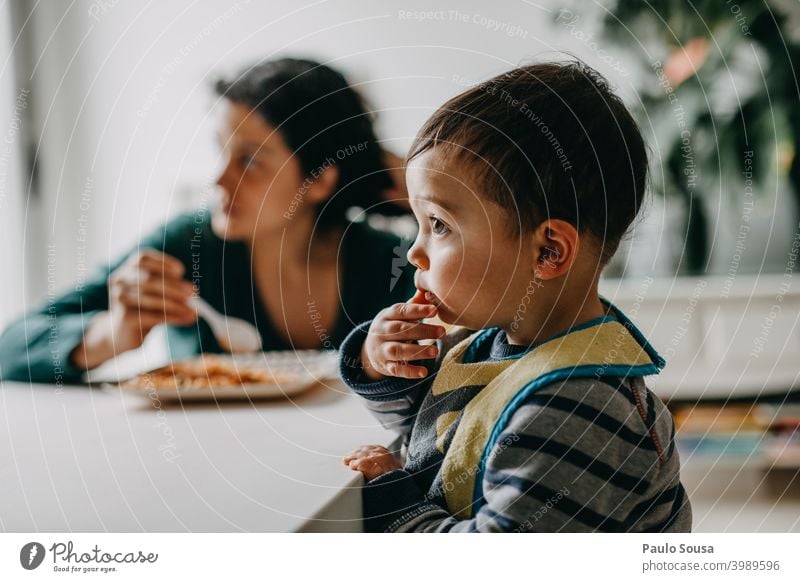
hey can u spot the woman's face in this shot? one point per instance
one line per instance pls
(259, 185)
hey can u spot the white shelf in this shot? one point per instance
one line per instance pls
(722, 337)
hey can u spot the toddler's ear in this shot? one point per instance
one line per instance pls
(556, 244)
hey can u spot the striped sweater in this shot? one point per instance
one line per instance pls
(579, 455)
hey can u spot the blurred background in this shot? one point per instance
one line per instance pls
(108, 128)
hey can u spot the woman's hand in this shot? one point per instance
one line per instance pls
(148, 289)
(373, 461)
(391, 341)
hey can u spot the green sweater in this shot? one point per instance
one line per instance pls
(37, 347)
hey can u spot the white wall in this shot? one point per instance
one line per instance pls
(13, 103)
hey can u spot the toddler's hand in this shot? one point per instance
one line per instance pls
(373, 461)
(391, 341)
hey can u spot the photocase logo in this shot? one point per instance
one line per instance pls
(399, 261)
(31, 555)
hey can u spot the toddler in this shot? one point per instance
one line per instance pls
(533, 413)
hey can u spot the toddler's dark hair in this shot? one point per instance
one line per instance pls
(547, 141)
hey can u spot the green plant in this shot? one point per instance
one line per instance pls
(725, 104)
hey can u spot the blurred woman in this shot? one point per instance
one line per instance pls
(277, 249)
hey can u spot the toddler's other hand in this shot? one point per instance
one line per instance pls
(373, 461)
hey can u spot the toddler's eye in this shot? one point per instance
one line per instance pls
(438, 227)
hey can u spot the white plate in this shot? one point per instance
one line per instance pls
(298, 371)
(324, 365)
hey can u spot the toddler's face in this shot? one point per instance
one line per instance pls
(466, 254)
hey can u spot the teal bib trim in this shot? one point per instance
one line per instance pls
(487, 334)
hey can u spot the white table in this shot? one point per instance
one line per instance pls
(89, 459)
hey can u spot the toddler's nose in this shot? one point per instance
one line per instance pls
(417, 258)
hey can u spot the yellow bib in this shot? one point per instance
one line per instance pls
(601, 347)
